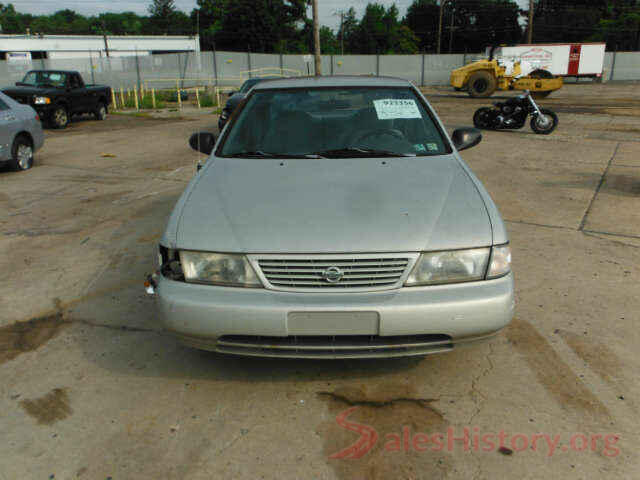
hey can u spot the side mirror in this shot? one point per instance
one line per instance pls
(464, 138)
(203, 142)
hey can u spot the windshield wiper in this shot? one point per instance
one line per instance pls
(256, 153)
(261, 154)
(350, 152)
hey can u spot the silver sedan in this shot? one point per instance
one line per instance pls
(21, 133)
(334, 219)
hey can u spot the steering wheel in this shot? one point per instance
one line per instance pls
(378, 131)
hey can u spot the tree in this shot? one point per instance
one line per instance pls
(348, 31)
(163, 13)
(208, 16)
(567, 21)
(263, 26)
(621, 33)
(126, 23)
(282, 26)
(479, 24)
(422, 19)
(380, 32)
(616, 22)
(10, 20)
(328, 41)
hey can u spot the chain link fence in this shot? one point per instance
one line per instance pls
(230, 69)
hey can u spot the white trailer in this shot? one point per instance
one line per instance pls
(565, 59)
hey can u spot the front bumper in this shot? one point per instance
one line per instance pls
(44, 111)
(38, 136)
(371, 324)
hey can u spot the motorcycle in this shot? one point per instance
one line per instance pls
(512, 115)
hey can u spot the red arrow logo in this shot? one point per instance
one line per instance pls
(367, 440)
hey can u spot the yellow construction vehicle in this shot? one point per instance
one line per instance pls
(483, 77)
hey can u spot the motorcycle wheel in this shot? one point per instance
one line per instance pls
(481, 118)
(545, 124)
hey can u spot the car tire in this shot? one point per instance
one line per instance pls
(22, 153)
(481, 84)
(60, 117)
(101, 111)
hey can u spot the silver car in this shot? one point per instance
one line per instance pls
(20, 133)
(334, 219)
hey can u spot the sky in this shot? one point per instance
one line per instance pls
(328, 8)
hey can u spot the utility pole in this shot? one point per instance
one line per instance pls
(342, 33)
(316, 39)
(530, 32)
(341, 13)
(104, 36)
(440, 25)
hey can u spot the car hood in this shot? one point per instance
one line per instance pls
(333, 205)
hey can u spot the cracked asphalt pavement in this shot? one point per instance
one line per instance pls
(91, 388)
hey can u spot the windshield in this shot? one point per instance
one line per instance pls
(334, 122)
(49, 79)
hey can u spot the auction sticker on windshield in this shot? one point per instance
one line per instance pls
(390, 108)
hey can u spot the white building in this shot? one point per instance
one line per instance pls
(33, 47)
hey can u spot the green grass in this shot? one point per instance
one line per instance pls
(166, 96)
(129, 102)
(147, 102)
(207, 100)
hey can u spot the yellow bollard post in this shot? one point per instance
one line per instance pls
(179, 96)
(197, 97)
(113, 100)
(153, 97)
(217, 97)
(122, 97)
(142, 91)
(135, 95)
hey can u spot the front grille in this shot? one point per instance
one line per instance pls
(344, 346)
(347, 272)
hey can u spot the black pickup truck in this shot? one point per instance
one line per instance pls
(58, 95)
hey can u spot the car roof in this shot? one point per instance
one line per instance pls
(333, 81)
(53, 71)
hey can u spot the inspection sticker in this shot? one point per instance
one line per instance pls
(390, 108)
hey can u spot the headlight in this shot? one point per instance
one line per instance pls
(458, 266)
(218, 269)
(500, 262)
(450, 267)
(42, 100)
